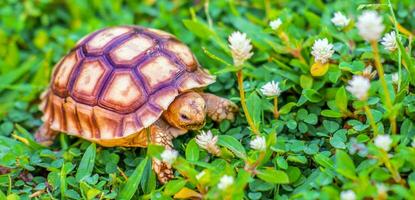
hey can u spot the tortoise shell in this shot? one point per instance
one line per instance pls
(119, 80)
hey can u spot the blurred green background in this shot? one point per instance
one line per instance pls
(35, 34)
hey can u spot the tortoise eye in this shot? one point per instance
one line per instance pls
(183, 116)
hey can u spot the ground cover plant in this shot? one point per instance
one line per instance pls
(325, 90)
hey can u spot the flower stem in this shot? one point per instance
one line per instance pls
(390, 167)
(239, 75)
(276, 113)
(388, 101)
(371, 120)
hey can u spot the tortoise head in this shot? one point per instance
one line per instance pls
(187, 111)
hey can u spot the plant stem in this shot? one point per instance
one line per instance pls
(276, 113)
(371, 120)
(381, 74)
(390, 167)
(239, 75)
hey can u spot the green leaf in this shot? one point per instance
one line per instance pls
(87, 163)
(192, 151)
(331, 126)
(312, 95)
(232, 144)
(133, 181)
(254, 105)
(331, 113)
(345, 165)
(408, 63)
(306, 82)
(354, 67)
(174, 186)
(198, 28)
(341, 99)
(324, 161)
(287, 108)
(272, 175)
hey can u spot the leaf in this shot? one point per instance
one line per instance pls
(319, 69)
(324, 161)
(131, 185)
(408, 63)
(174, 186)
(186, 193)
(341, 99)
(354, 67)
(192, 151)
(312, 95)
(87, 163)
(254, 105)
(331, 113)
(287, 108)
(306, 82)
(272, 175)
(345, 165)
(232, 144)
(198, 28)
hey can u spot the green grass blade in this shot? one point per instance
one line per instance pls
(133, 181)
(87, 163)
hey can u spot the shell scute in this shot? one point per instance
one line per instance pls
(131, 50)
(183, 53)
(100, 41)
(108, 123)
(90, 80)
(123, 93)
(63, 72)
(158, 71)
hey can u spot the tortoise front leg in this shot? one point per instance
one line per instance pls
(163, 134)
(219, 108)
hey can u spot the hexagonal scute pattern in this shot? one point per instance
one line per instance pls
(119, 80)
(183, 53)
(159, 71)
(89, 81)
(130, 50)
(123, 93)
(103, 38)
(63, 73)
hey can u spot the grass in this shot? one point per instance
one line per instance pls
(321, 144)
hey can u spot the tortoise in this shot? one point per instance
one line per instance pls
(120, 83)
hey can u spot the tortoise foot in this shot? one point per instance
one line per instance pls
(163, 170)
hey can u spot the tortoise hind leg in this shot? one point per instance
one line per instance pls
(45, 135)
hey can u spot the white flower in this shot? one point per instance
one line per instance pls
(389, 41)
(200, 175)
(225, 182)
(369, 73)
(395, 78)
(169, 156)
(258, 143)
(240, 47)
(275, 24)
(322, 50)
(207, 141)
(347, 195)
(271, 89)
(340, 20)
(359, 86)
(370, 26)
(383, 141)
